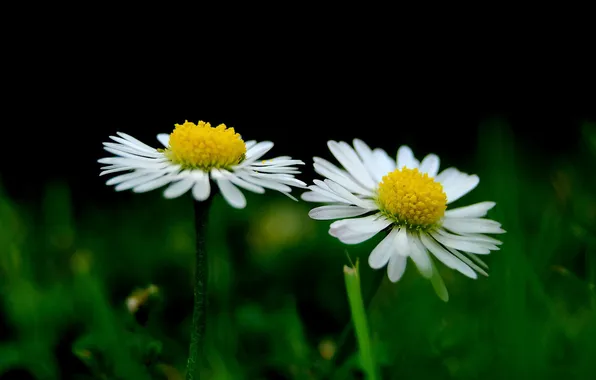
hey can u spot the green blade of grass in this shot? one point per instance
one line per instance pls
(352, 280)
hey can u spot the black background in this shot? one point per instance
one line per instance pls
(66, 89)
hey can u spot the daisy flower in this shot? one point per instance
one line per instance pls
(193, 156)
(409, 200)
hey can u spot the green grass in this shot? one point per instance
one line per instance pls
(277, 295)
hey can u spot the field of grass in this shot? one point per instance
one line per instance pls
(110, 295)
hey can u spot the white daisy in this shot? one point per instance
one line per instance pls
(194, 154)
(407, 199)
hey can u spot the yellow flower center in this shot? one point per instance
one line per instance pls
(411, 198)
(201, 146)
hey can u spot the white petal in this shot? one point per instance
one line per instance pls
(363, 150)
(355, 159)
(231, 193)
(133, 140)
(384, 164)
(120, 148)
(458, 185)
(461, 244)
(246, 185)
(372, 223)
(125, 159)
(368, 159)
(357, 230)
(257, 151)
(472, 225)
(420, 256)
(135, 155)
(477, 210)
(336, 212)
(445, 257)
(438, 284)
(446, 175)
(477, 260)
(469, 262)
(269, 184)
(481, 238)
(109, 167)
(164, 139)
(312, 196)
(342, 192)
(129, 184)
(487, 241)
(202, 187)
(290, 196)
(276, 163)
(327, 169)
(405, 157)
(351, 237)
(176, 189)
(281, 158)
(249, 144)
(286, 179)
(379, 257)
(153, 184)
(323, 192)
(351, 162)
(113, 169)
(396, 267)
(275, 169)
(134, 145)
(402, 247)
(128, 176)
(430, 165)
(136, 163)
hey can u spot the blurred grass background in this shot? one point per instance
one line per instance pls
(108, 294)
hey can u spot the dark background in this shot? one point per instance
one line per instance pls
(298, 79)
(63, 114)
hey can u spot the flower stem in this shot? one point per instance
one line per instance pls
(347, 342)
(367, 360)
(199, 312)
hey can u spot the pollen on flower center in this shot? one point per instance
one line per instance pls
(411, 198)
(205, 147)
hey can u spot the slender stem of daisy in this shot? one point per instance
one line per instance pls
(199, 312)
(346, 341)
(352, 279)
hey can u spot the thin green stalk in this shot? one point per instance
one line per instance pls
(347, 341)
(199, 312)
(352, 279)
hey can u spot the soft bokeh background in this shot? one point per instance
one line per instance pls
(98, 284)
(69, 270)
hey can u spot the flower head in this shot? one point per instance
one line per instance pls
(409, 200)
(192, 157)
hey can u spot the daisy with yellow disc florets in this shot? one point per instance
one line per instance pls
(194, 156)
(409, 200)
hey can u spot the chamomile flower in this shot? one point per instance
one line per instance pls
(194, 156)
(409, 200)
